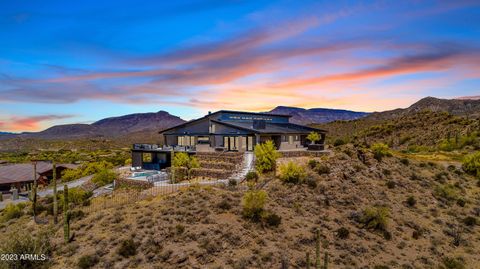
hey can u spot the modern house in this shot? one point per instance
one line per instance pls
(225, 131)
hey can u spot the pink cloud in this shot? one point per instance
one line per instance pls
(29, 123)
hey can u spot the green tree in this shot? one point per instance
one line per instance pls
(266, 156)
(471, 164)
(104, 177)
(183, 159)
(253, 203)
(292, 173)
(313, 137)
(380, 150)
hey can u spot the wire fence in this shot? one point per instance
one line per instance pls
(124, 196)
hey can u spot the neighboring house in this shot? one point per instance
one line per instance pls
(225, 131)
(19, 175)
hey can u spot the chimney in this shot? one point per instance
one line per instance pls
(259, 124)
(209, 112)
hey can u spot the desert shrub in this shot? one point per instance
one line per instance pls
(12, 211)
(461, 202)
(232, 182)
(23, 241)
(127, 248)
(311, 182)
(415, 177)
(387, 172)
(104, 177)
(381, 267)
(405, 161)
(343, 233)
(76, 196)
(448, 192)
(322, 169)
(470, 221)
(453, 263)
(292, 173)
(251, 176)
(380, 150)
(375, 218)
(253, 203)
(266, 156)
(224, 204)
(471, 164)
(391, 184)
(339, 142)
(312, 163)
(87, 261)
(186, 161)
(179, 229)
(85, 169)
(271, 219)
(411, 201)
(416, 234)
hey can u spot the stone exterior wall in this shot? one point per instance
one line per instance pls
(302, 153)
(131, 183)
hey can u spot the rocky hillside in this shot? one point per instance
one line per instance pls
(429, 122)
(458, 107)
(393, 213)
(317, 115)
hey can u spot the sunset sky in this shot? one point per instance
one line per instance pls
(80, 61)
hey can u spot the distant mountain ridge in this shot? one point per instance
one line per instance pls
(108, 127)
(458, 107)
(317, 115)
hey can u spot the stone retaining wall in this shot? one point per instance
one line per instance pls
(302, 153)
(131, 183)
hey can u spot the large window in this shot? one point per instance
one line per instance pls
(147, 157)
(186, 140)
(203, 140)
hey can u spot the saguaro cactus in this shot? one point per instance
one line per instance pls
(308, 260)
(325, 261)
(66, 215)
(55, 202)
(34, 192)
(284, 263)
(317, 250)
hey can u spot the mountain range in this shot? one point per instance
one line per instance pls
(151, 123)
(317, 115)
(108, 127)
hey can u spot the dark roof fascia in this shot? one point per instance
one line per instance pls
(235, 126)
(307, 127)
(246, 112)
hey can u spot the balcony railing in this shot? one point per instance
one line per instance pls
(156, 147)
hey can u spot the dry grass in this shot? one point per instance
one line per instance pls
(203, 227)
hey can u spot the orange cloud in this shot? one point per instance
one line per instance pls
(29, 123)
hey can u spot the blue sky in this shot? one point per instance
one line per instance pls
(81, 61)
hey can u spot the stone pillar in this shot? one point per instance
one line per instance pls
(15, 194)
